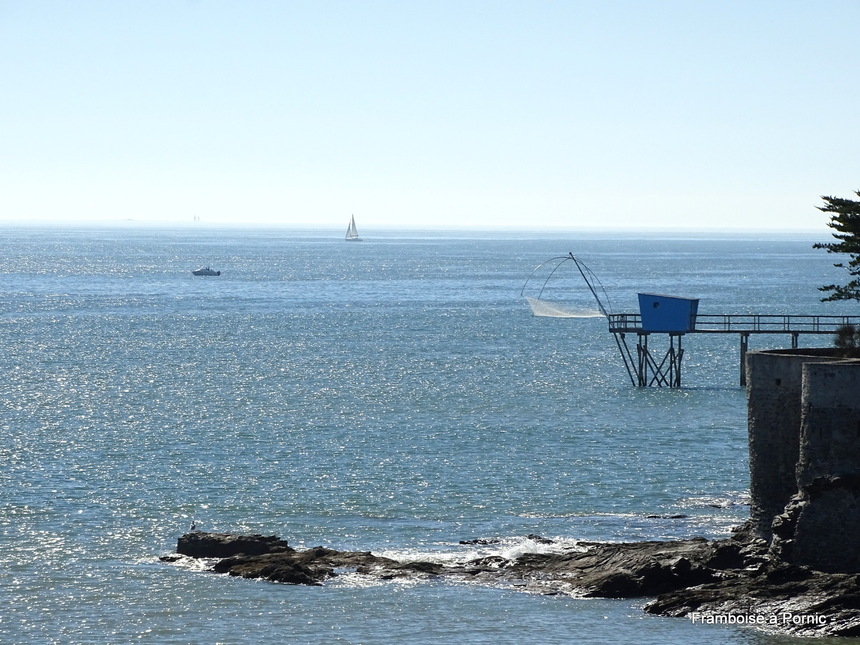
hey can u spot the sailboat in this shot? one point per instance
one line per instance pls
(352, 232)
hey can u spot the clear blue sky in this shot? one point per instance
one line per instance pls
(535, 113)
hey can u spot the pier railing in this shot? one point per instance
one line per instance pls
(744, 324)
(646, 368)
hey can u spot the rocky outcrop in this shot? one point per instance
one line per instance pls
(198, 544)
(734, 581)
(820, 526)
(781, 598)
(309, 567)
(606, 570)
(270, 558)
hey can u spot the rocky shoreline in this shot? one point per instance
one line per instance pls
(732, 581)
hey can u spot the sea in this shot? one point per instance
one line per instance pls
(395, 395)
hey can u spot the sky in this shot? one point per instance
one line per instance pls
(538, 114)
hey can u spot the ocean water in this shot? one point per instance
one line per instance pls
(395, 395)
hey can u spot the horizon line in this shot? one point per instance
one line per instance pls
(475, 228)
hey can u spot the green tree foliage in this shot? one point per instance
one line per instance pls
(845, 221)
(847, 341)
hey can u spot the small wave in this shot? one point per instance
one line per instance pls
(355, 580)
(189, 563)
(729, 500)
(507, 548)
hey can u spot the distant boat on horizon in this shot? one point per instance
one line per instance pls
(205, 271)
(352, 232)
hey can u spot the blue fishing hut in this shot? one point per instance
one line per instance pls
(658, 314)
(667, 314)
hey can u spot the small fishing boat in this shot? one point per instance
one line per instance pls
(352, 232)
(205, 271)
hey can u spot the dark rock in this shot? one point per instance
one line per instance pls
(785, 598)
(430, 568)
(820, 526)
(269, 558)
(727, 555)
(679, 516)
(407, 570)
(275, 567)
(198, 544)
(484, 565)
(642, 568)
(480, 541)
(539, 539)
(605, 570)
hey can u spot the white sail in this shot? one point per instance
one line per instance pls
(352, 232)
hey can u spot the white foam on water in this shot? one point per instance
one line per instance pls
(507, 548)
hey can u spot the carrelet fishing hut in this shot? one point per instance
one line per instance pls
(675, 317)
(658, 314)
(667, 314)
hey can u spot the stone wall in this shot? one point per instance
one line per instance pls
(774, 392)
(830, 423)
(804, 428)
(820, 527)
